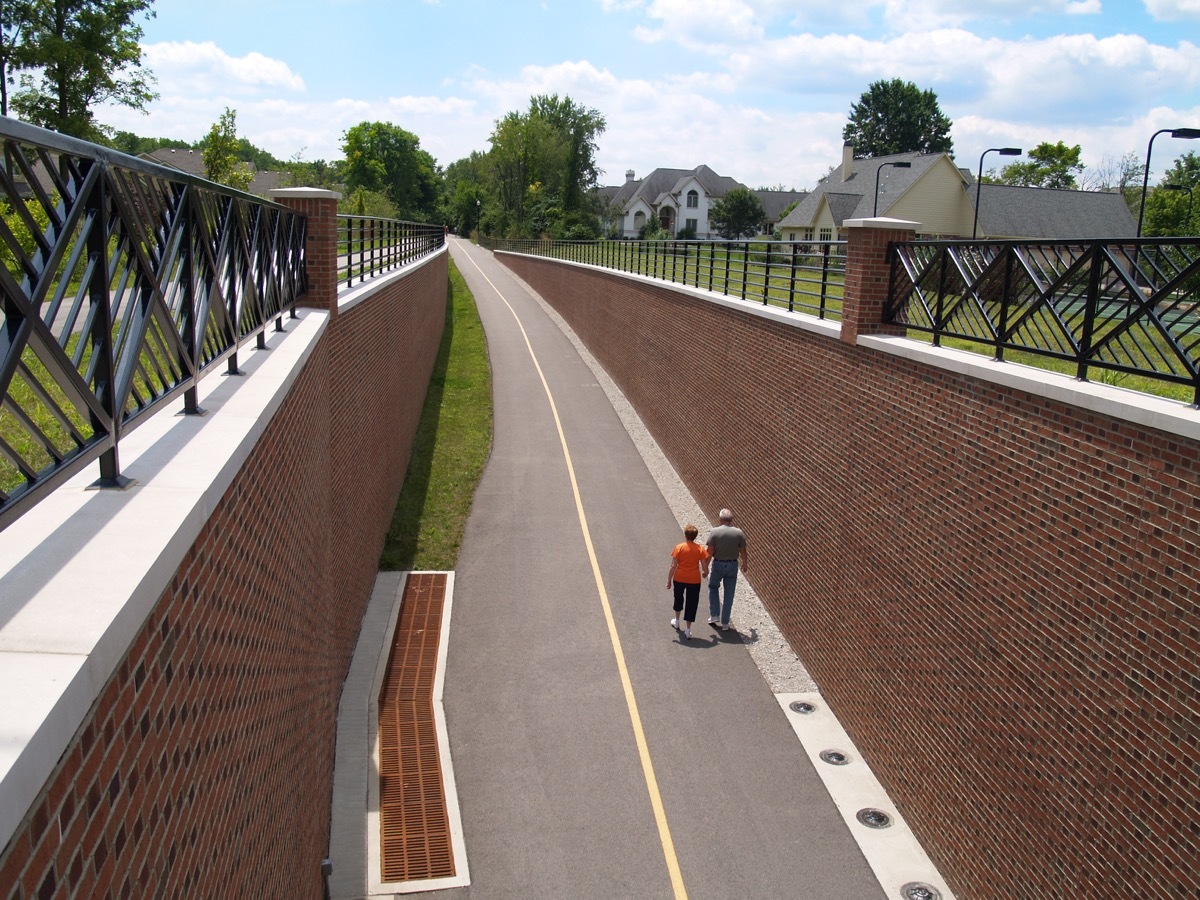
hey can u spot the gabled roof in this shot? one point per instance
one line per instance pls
(775, 202)
(192, 162)
(663, 183)
(1006, 210)
(851, 194)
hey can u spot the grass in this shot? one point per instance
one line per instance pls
(451, 447)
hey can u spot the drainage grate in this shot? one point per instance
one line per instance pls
(918, 890)
(835, 757)
(414, 840)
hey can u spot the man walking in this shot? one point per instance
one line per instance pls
(726, 545)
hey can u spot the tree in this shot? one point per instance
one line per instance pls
(221, 163)
(738, 214)
(74, 55)
(385, 158)
(1048, 166)
(897, 117)
(1168, 205)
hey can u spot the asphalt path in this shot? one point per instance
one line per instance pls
(597, 753)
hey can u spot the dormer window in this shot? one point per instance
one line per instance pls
(693, 200)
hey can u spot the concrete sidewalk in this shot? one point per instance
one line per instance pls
(596, 752)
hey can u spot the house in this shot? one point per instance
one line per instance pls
(681, 200)
(192, 162)
(931, 190)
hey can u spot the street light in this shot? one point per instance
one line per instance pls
(1187, 134)
(1187, 223)
(1003, 151)
(898, 165)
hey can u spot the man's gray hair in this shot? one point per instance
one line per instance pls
(725, 515)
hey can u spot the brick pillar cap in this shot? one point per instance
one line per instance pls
(881, 222)
(303, 193)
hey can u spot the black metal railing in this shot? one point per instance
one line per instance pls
(370, 246)
(123, 284)
(799, 277)
(1129, 307)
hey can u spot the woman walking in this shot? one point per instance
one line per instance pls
(689, 566)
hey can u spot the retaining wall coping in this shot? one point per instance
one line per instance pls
(350, 297)
(82, 570)
(1136, 407)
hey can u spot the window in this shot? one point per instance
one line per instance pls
(639, 220)
(827, 234)
(692, 223)
(693, 200)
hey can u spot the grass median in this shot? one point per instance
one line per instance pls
(451, 447)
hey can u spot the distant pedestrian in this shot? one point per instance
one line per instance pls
(689, 565)
(726, 545)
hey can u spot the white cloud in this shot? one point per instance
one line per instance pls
(205, 67)
(1173, 10)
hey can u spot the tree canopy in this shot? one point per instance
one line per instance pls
(73, 55)
(897, 117)
(221, 163)
(1171, 207)
(386, 159)
(542, 169)
(1046, 166)
(738, 214)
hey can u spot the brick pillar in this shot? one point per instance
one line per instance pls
(320, 245)
(868, 270)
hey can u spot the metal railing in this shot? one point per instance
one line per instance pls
(369, 246)
(123, 284)
(799, 277)
(1129, 307)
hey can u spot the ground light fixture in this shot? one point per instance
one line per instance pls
(898, 165)
(1180, 188)
(1186, 134)
(1003, 151)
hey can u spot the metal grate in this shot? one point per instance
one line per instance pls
(414, 827)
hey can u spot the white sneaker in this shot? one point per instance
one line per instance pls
(687, 632)
(714, 620)
(675, 623)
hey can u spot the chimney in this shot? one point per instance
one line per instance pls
(628, 175)
(847, 160)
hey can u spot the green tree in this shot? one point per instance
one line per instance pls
(897, 117)
(1048, 166)
(464, 193)
(385, 158)
(738, 214)
(1168, 205)
(221, 163)
(74, 55)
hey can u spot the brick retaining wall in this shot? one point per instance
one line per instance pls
(205, 768)
(996, 592)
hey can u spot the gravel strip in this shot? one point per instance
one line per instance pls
(771, 652)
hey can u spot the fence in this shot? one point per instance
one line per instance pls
(123, 284)
(1122, 308)
(369, 246)
(799, 277)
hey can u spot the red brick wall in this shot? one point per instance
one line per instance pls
(996, 593)
(206, 766)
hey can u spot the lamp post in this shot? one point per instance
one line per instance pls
(1187, 134)
(898, 165)
(1187, 223)
(1003, 151)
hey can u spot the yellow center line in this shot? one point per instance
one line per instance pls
(639, 734)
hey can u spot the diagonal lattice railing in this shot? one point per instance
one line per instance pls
(1130, 306)
(123, 284)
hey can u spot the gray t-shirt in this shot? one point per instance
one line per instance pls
(725, 541)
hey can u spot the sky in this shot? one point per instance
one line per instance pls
(758, 90)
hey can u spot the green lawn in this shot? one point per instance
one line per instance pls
(451, 447)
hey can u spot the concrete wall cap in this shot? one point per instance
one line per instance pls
(303, 193)
(881, 222)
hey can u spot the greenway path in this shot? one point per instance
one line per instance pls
(597, 753)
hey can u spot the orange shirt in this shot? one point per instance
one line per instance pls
(688, 555)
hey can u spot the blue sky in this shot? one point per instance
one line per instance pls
(757, 89)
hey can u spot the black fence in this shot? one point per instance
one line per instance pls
(799, 277)
(1109, 309)
(370, 246)
(123, 284)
